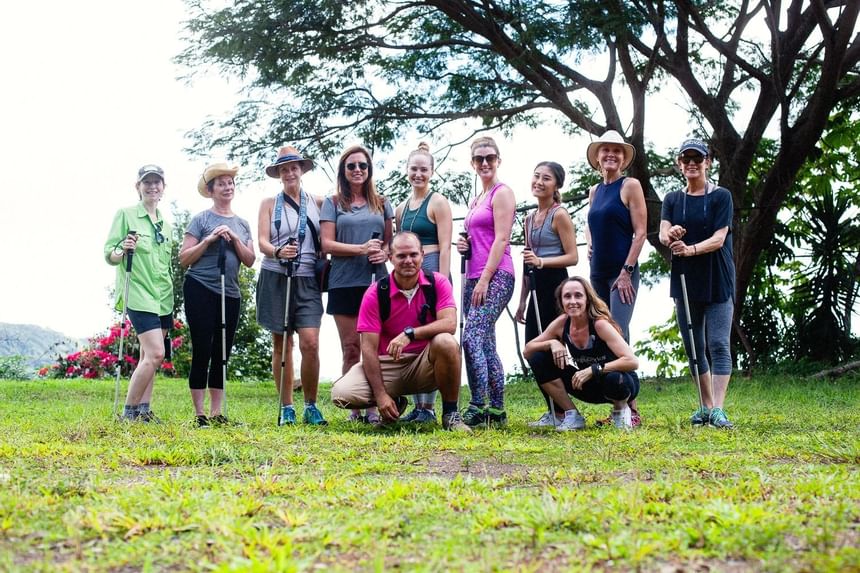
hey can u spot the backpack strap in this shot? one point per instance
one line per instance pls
(383, 295)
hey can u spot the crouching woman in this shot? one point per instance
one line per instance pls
(582, 353)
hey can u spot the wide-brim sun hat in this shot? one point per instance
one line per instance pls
(611, 137)
(213, 171)
(288, 154)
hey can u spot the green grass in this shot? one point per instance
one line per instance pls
(780, 492)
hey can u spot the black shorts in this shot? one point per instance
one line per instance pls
(345, 300)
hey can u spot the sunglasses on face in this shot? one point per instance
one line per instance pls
(479, 159)
(687, 159)
(353, 166)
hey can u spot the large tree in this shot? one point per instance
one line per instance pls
(319, 70)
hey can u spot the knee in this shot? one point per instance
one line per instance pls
(309, 347)
(444, 347)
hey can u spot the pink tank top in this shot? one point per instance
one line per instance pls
(480, 225)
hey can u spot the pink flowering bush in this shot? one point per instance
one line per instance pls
(99, 358)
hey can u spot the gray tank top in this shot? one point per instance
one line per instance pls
(290, 228)
(543, 241)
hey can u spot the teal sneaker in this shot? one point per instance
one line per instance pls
(474, 416)
(496, 417)
(700, 417)
(718, 419)
(313, 416)
(288, 416)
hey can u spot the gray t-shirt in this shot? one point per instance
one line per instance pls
(355, 227)
(205, 270)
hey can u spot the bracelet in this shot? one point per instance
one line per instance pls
(540, 263)
(278, 250)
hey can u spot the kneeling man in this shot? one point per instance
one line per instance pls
(407, 323)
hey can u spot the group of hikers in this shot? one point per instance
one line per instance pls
(399, 331)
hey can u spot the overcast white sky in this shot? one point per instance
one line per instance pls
(91, 95)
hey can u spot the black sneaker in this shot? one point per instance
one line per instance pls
(496, 417)
(149, 417)
(201, 421)
(222, 420)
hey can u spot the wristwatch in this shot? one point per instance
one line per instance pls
(410, 333)
(629, 268)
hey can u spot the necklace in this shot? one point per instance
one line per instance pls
(415, 211)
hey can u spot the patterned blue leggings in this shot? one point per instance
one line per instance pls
(483, 365)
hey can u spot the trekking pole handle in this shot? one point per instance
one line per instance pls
(129, 254)
(222, 254)
(291, 262)
(467, 255)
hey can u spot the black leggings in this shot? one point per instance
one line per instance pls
(547, 280)
(203, 312)
(608, 387)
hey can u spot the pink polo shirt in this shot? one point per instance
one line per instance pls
(403, 312)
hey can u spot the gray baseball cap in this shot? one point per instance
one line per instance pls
(149, 169)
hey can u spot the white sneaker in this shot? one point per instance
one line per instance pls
(622, 418)
(544, 421)
(573, 420)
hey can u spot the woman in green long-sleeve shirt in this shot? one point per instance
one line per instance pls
(142, 229)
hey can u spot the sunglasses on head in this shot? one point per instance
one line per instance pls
(353, 166)
(687, 159)
(479, 159)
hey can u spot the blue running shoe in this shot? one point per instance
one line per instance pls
(288, 416)
(313, 416)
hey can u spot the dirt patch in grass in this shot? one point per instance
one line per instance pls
(449, 465)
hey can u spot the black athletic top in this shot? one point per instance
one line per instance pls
(596, 351)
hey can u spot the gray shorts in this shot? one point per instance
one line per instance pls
(306, 302)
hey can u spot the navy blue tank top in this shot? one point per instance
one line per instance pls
(611, 229)
(595, 352)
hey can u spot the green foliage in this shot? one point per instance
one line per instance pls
(664, 347)
(181, 218)
(79, 492)
(252, 346)
(14, 368)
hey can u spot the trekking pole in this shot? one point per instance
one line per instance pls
(694, 359)
(128, 257)
(463, 258)
(222, 258)
(289, 266)
(533, 294)
(375, 235)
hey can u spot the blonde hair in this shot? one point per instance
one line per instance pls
(595, 306)
(422, 149)
(344, 193)
(485, 141)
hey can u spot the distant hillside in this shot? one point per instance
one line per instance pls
(39, 346)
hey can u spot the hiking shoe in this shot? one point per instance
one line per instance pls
(411, 416)
(453, 422)
(149, 417)
(635, 419)
(700, 417)
(313, 416)
(622, 419)
(372, 417)
(474, 416)
(545, 420)
(222, 420)
(573, 420)
(422, 416)
(718, 419)
(496, 417)
(201, 421)
(355, 416)
(288, 416)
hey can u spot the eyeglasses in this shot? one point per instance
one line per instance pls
(687, 159)
(353, 166)
(159, 237)
(479, 159)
